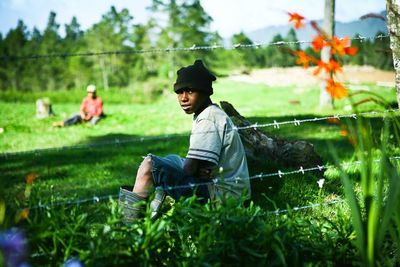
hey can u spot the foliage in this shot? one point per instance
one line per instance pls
(330, 66)
(265, 231)
(372, 52)
(173, 24)
(375, 213)
(188, 234)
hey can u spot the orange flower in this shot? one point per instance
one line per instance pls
(296, 19)
(336, 90)
(302, 58)
(333, 66)
(338, 45)
(351, 51)
(31, 177)
(344, 132)
(342, 47)
(320, 66)
(318, 43)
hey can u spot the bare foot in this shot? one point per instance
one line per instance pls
(58, 124)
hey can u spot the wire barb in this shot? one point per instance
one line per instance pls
(214, 181)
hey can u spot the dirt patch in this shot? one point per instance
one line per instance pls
(303, 77)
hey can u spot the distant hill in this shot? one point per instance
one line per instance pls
(367, 28)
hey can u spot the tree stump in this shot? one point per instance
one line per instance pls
(43, 108)
(261, 147)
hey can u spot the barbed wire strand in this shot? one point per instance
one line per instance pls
(94, 199)
(310, 206)
(276, 212)
(216, 181)
(117, 141)
(298, 122)
(173, 49)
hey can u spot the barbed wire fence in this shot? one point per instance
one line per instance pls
(39, 151)
(280, 174)
(277, 212)
(215, 181)
(275, 124)
(193, 48)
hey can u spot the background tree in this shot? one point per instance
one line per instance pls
(74, 43)
(176, 23)
(110, 34)
(181, 24)
(363, 55)
(53, 68)
(143, 64)
(35, 72)
(14, 45)
(244, 56)
(291, 37)
(275, 55)
(381, 52)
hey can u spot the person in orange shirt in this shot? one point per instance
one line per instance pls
(91, 110)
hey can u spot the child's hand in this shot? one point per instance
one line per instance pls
(205, 173)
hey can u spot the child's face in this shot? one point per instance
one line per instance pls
(92, 94)
(191, 101)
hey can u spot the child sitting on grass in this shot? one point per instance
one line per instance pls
(215, 151)
(91, 110)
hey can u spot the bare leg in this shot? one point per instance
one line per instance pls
(144, 178)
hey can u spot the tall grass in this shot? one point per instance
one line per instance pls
(190, 234)
(375, 201)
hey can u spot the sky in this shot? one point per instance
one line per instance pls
(229, 16)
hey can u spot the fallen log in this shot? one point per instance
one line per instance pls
(261, 147)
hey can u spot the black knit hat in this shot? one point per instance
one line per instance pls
(195, 77)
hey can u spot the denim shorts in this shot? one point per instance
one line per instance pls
(168, 174)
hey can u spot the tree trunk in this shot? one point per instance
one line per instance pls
(393, 24)
(104, 72)
(325, 99)
(260, 147)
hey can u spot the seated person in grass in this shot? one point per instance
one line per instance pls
(91, 110)
(215, 152)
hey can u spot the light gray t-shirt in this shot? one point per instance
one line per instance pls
(215, 139)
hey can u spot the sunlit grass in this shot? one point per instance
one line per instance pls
(127, 120)
(22, 131)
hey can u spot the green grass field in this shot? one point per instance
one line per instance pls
(84, 161)
(104, 156)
